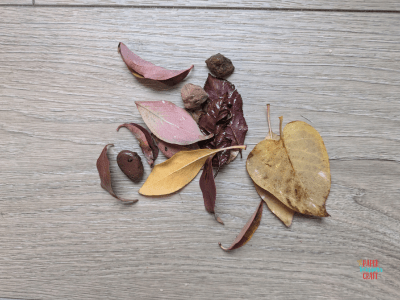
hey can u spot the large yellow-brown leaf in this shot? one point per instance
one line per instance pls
(176, 172)
(284, 213)
(295, 168)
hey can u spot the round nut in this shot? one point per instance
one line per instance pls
(220, 65)
(193, 96)
(131, 165)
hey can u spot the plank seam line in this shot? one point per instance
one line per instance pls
(207, 8)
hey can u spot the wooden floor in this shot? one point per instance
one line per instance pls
(64, 90)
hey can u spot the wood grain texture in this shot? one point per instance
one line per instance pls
(292, 4)
(15, 2)
(64, 90)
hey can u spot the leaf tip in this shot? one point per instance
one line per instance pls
(222, 247)
(130, 202)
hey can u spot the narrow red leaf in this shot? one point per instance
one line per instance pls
(144, 69)
(149, 149)
(170, 150)
(248, 230)
(207, 186)
(103, 167)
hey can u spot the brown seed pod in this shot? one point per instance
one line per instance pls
(193, 96)
(220, 65)
(131, 165)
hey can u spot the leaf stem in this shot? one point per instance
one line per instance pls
(280, 126)
(269, 120)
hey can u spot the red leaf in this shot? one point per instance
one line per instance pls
(223, 117)
(170, 150)
(248, 230)
(144, 69)
(208, 188)
(149, 149)
(103, 167)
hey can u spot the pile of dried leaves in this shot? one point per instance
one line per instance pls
(290, 171)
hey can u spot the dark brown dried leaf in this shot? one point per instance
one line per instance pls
(103, 167)
(208, 188)
(170, 150)
(248, 230)
(223, 117)
(149, 149)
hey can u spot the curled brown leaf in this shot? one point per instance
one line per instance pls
(146, 143)
(103, 167)
(248, 230)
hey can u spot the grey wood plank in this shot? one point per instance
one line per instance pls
(64, 90)
(14, 2)
(292, 4)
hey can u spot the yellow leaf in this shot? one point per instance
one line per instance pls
(295, 168)
(176, 172)
(284, 213)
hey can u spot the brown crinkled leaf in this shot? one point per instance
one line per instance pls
(248, 230)
(295, 168)
(208, 188)
(144, 69)
(170, 150)
(103, 167)
(224, 118)
(146, 143)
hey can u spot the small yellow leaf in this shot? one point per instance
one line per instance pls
(176, 172)
(284, 213)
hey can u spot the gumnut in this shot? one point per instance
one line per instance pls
(220, 65)
(131, 165)
(193, 96)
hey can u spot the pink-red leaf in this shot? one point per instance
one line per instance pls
(170, 150)
(170, 123)
(144, 69)
(149, 149)
(103, 167)
(248, 230)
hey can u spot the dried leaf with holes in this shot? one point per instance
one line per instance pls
(295, 168)
(146, 143)
(176, 172)
(170, 123)
(248, 230)
(103, 167)
(144, 69)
